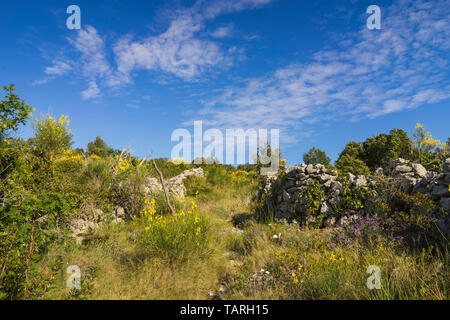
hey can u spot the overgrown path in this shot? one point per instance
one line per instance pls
(247, 260)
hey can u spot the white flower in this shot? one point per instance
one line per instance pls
(275, 236)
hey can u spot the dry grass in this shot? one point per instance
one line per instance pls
(115, 268)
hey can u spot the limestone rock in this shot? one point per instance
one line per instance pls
(360, 181)
(175, 184)
(419, 169)
(403, 169)
(310, 169)
(446, 166)
(379, 172)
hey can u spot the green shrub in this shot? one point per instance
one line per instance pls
(51, 137)
(174, 237)
(218, 175)
(196, 185)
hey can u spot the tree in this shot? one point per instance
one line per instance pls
(99, 148)
(315, 156)
(349, 160)
(13, 111)
(347, 163)
(379, 151)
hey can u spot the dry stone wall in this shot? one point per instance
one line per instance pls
(284, 194)
(174, 185)
(92, 218)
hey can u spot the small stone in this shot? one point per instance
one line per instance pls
(379, 172)
(286, 196)
(324, 208)
(310, 169)
(403, 169)
(360, 181)
(350, 177)
(419, 169)
(446, 166)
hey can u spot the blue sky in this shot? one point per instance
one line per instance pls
(138, 70)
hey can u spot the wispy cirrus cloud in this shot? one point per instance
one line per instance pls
(179, 51)
(59, 68)
(370, 74)
(92, 91)
(222, 32)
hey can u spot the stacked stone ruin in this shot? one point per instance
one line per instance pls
(286, 199)
(175, 185)
(91, 218)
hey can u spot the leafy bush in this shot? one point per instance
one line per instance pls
(347, 163)
(196, 185)
(240, 178)
(218, 175)
(13, 111)
(51, 137)
(174, 237)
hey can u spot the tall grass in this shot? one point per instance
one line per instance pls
(175, 237)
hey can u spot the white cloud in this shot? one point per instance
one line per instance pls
(180, 51)
(93, 62)
(59, 68)
(91, 92)
(372, 73)
(222, 32)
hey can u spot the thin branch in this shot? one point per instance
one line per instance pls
(166, 193)
(143, 160)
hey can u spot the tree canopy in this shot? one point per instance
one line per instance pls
(315, 156)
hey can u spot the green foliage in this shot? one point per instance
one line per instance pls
(197, 185)
(13, 111)
(347, 163)
(380, 150)
(265, 155)
(51, 137)
(26, 228)
(174, 237)
(316, 156)
(414, 213)
(167, 168)
(99, 148)
(429, 151)
(128, 192)
(374, 152)
(314, 196)
(352, 198)
(218, 175)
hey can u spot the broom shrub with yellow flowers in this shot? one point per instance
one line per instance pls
(240, 178)
(174, 237)
(52, 136)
